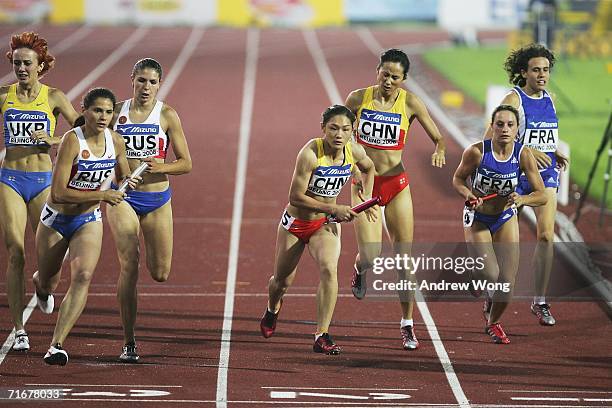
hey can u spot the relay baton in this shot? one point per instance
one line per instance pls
(359, 207)
(137, 172)
(470, 203)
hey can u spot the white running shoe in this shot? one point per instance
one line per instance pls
(22, 343)
(56, 356)
(46, 305)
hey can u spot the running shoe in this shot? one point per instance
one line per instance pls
(129, 354)
(486, 309)
(56, 355)
(45, 304)
(22, 343)
(325, 344)
(268, 322)
(497, 333)
(543, 314)
(409, 340)
(358, 283)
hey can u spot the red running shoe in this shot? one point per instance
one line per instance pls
(409, 340)
(497, 333)
(325, 344)
(268, 322)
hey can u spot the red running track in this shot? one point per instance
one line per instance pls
(180, 322)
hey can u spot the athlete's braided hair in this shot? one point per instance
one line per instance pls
(518, 61)
(147, 63)
(509, 108)
(336, 110)
(395, 55)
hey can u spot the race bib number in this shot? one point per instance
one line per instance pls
(468, 217)
(286, 220)
(381, 129)
(19, 126)
(141, 140)
(542, 136)
(47, 216)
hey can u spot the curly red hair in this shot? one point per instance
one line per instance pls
(37, 44)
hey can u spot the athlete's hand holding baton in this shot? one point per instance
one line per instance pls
(133, 179)
(475, 202)
(358, 208)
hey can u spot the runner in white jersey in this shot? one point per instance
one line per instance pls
(71, 218)
(148, 127)
(529, 69)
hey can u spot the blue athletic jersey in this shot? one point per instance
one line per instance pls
(538, 124)
(497, 176)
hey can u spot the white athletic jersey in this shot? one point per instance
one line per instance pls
(146, 139)
(90, 171)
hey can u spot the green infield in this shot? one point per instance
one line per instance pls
(578, 87)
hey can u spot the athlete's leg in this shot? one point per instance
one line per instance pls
(85, 246)
(35, 207)
(158, 238)
(324, 247)
(289, 250)
(50, 249)
(13, 221)
(400, 225)
(369, 236)
(506, 244)
(125, 227)
(543, 256)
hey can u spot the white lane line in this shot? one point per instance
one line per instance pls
(250, 71)
(341, 388)
(375, 47)
(105, 385)
(558, 391)
(62, 46)
(179, 63)
(322, 67)
(8, 343)
(107, 63)
(73, 93)
(544, 399)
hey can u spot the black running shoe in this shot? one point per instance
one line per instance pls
(56, 355)
(358, 283)
(130, 354)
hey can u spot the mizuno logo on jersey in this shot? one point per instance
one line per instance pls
(544, 124)
(95, 165)
(382, 117)
(26, 115)
(333, 171)
(139, 129)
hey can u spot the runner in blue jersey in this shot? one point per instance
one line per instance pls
(529, 70)
(491, 228)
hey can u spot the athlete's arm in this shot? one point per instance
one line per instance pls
(537, 197)
(562, 160)
(418, 109)
(60, 193)
(367, 171)
(469, 162)
(354, 99)
(305, 164)
(122, 168)
(59, 104)
(182, 163)
(3, 94)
